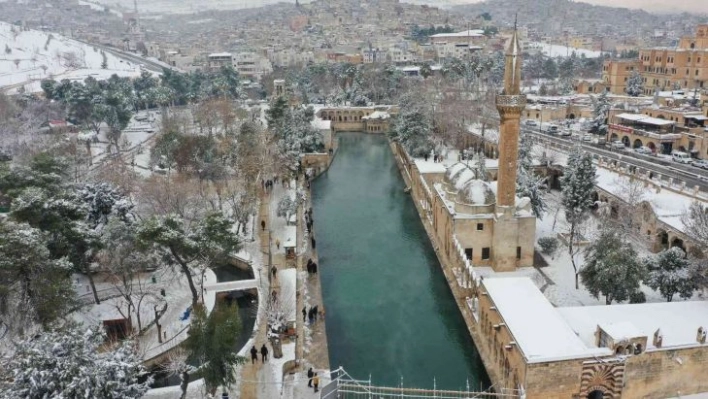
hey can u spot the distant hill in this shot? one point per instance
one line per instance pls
(552, 16)
(28, 56)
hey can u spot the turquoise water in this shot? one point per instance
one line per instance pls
(390, 313)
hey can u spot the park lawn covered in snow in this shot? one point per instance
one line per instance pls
(35, 55)
(557, 50)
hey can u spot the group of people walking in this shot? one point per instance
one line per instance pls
(312, 314)
(254, 354)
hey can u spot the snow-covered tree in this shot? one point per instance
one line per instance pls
(600, 111)
(413, 127)
(72, 363)
(527, 183)
(285, 207)
(635, 84)
(480, 169)
(34, 288)
(612, 268)
(671, 273)
(207, 243)
(577, 186)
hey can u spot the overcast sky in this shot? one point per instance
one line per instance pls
(649, 5)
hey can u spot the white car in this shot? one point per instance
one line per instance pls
(531, 122)
(587, 137)
(700, 163)
(617, 145)
(644, 151)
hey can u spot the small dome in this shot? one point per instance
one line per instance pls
(478, 192)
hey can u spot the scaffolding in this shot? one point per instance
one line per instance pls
(343, 386)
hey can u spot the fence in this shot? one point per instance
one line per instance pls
(343, 386)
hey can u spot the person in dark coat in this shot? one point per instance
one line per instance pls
(315, 312)
(263, 225)
(311, 315)
(314, 268)
(264, 353)
(310, 374)
(313, 242)
(254, 354)
(304, 314)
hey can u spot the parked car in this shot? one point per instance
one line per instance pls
(617, 145)
(566, 133)
(530, 122)
(681, 157)
(700, 163)
(644, 150)
(587, 138)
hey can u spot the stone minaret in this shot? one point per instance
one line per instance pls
(510, 104)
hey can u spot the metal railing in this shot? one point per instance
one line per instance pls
(343, 386)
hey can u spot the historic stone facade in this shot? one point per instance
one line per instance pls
(359, 119)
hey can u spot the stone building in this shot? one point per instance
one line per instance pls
(685, 66)
(654, 350)
(375, 119)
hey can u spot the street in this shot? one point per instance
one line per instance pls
(667, 169)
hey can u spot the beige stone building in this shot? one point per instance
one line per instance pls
(685, 66)
(655, 350)
(375, 119)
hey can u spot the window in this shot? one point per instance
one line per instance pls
(468, 253)
(480, 226)
(518, 253)
(485, 253)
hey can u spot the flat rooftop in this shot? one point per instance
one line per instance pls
(648, 120)
(678, 321)
(541, 333)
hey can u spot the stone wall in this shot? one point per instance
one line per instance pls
(666, 373)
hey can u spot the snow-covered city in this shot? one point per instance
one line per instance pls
(353, 199)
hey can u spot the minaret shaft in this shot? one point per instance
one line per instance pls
(510, 104)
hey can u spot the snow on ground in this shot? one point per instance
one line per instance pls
(36, 55)
(556, 50)
(560, 270)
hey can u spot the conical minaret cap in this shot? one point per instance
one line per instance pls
(512, 71)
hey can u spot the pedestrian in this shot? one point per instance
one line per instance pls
(264, 353)
(262, 225)
(426, 157)
(313, 242)
(254, 354)
(310, 374)
(274, 271)
(304, 315)
(277, 243)
(315, 312)
(314, 268)
(316, 382)
(310, 315)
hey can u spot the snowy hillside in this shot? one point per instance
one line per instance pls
(27, 57)
(555, 50)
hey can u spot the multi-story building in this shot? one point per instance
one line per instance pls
(685, 66)
(615, 74)
(217, 60)
(251, 65)
(460, 44)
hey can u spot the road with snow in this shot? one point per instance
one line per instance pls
(691, 175)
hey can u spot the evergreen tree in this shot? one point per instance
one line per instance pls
(550, 69)
(413, 127)
(612, 268)
(211, 341)
(527, 183)
(635, 84)
(72, 363)
(34, 288)
(577, 185)
(671, 273)
(207, 243)
(601, 110)
(480, 169)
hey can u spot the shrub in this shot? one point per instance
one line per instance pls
(548, 245)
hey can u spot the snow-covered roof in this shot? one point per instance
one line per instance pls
(377, 115)
(289, 237)
(539, 330)
(219, 55)
(641, 118)
(464, 33)
(429, 166)
(491, 135)
(678, 321)
(668, 206)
